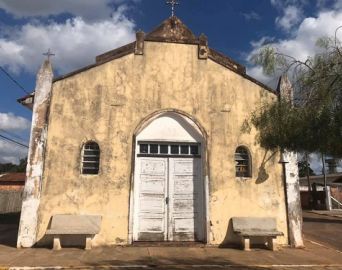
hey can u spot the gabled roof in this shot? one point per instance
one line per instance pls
(27, 101)
(172, 30)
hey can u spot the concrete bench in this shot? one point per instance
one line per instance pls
(74, 225)
(248, 227)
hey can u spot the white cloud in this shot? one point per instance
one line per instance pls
(11, 122)
(251, 16)
(302, 42)
(257, 72)
(87, 9)
(322, 4)
(316, 164)
(75, 42)
(315, 161)
(282, 3)
(338, 4)
(292, 15)
(261, 42)
(11, 153)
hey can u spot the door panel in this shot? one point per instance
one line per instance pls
(184, 184)
(183, 205)
(152, 204)
(152, 186)
(186, 200)
(170, 199)
(153, 175)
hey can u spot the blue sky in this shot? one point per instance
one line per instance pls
(78, 30)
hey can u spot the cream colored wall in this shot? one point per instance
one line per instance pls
(106, 104)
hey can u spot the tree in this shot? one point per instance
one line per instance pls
(304, 168)
(313, 121)
(22, 165)
(10, 167)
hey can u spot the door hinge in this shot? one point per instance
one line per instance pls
(167, 200)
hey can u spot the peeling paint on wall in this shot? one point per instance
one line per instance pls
(34, 170)
(167, 76)
(293, 199)
(294, 209)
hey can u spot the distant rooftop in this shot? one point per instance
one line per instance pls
(12, 177)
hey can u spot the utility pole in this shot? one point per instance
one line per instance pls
(308, 179)
(326, 190)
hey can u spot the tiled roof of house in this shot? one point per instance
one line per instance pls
(335, 178)
(12, 177)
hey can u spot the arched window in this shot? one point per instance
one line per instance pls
(243, 162)
(91, 158)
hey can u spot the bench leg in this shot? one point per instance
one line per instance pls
(246, 243)
(88, 243)
(272, 243)
(56, 243)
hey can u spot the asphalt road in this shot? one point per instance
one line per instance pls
(323, 229)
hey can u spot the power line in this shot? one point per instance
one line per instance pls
(13, 141)
(13, 135)
(13, 80)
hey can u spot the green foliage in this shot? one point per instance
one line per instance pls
(270, 60)
(314, 122)
(280, 125)
(10, 167)
(303, 167)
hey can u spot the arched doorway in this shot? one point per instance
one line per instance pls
(168, 189)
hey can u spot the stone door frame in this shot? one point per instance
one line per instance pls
(205, 168)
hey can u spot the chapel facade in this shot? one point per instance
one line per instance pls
(151, 137)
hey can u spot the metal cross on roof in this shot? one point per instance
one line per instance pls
(48, 54)
(173, 3)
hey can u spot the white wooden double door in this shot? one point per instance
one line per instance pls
(169, 204)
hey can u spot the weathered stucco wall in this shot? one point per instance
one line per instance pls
(106, 104)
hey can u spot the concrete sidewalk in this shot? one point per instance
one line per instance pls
(314, 256)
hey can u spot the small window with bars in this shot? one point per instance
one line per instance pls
(169, 149)
(91, 158)
(243, 162)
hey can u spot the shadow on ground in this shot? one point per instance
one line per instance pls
(171, 263)
(322, 220)
(9, 224)
(199, 257)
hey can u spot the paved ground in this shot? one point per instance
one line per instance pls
(332, 213)
(324, 227)
(314, 256)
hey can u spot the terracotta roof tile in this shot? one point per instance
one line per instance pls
(13, 177)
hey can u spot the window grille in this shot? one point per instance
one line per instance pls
(243, 162)
(169, 149)
(91, 158)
